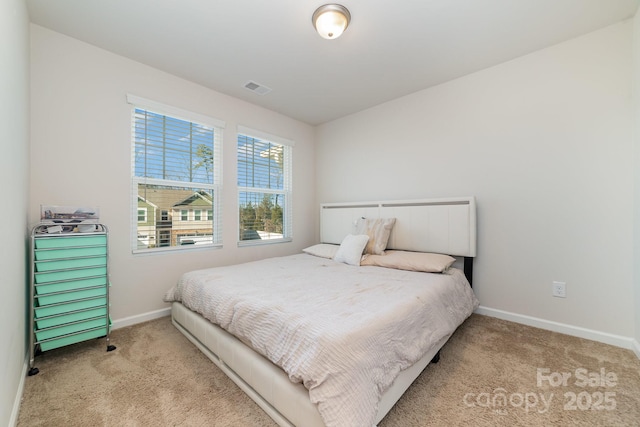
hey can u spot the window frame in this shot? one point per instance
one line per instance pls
(214, 187)
(286, 192)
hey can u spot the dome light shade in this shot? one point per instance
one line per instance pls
(331, 20)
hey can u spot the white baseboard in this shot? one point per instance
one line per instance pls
(13, 421)
(563, 328)
(636, 348)
(139, 318)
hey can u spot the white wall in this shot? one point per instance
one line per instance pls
(81, 155)
(14, 191)
(544, 143)
(636, 169)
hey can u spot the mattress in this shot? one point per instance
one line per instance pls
(343, 332)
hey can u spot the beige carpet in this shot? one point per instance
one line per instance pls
(487, 376)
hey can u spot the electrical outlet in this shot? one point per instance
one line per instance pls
(559, 289)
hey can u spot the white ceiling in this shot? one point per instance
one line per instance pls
(391, 48)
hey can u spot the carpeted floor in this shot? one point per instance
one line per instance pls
(491, 373)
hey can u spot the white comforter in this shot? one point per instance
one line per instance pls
(345, 332)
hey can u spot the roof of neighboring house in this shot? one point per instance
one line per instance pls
(143, 200)
(164, 198)
(199, 198)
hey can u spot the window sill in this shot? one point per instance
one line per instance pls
(263, 242)
(175, 249)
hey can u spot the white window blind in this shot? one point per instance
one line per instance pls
(176, 171)
(264, 187)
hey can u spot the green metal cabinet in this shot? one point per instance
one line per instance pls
(69, 289)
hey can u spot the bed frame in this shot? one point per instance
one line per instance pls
(446, 225)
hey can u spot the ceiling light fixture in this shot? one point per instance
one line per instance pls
(331, 20)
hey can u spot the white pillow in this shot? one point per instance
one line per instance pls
(351, 248)
(322, 250)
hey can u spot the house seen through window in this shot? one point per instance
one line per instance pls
(175, 177)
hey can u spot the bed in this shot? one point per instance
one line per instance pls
(339, 342)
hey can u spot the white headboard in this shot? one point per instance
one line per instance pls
(446, 225)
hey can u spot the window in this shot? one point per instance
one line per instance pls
(142, 215)
(176, 166)
(264, 187)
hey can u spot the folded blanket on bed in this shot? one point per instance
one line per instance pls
(344, 331)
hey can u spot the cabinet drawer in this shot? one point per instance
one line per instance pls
(71, 317)
(59, 331)
(70, 296)
(66, 242)
(72, 339)
(52, 310)
(70, 285)
(80, 273)
(71, 263)
(47, 254)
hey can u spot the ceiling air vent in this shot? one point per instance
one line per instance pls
(257, 88)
